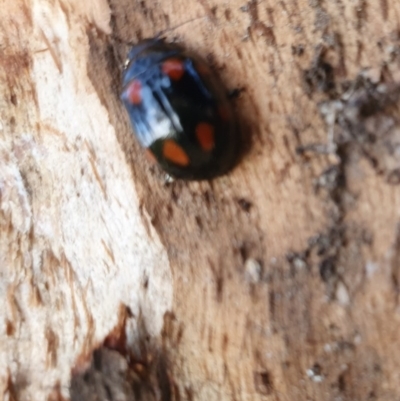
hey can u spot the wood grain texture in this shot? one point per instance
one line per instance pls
(279, 281)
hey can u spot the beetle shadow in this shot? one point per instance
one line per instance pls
(244, 131)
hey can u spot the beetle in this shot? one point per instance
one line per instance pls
(179, 111)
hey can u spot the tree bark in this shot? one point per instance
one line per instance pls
(278, 281)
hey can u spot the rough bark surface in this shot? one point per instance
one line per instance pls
(279, 281)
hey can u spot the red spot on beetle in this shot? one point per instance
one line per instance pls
(174, 68)
(174, 153)
(205, 136)
(134, 92)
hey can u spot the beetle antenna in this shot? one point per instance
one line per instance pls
(159, 34)
(172, 28)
